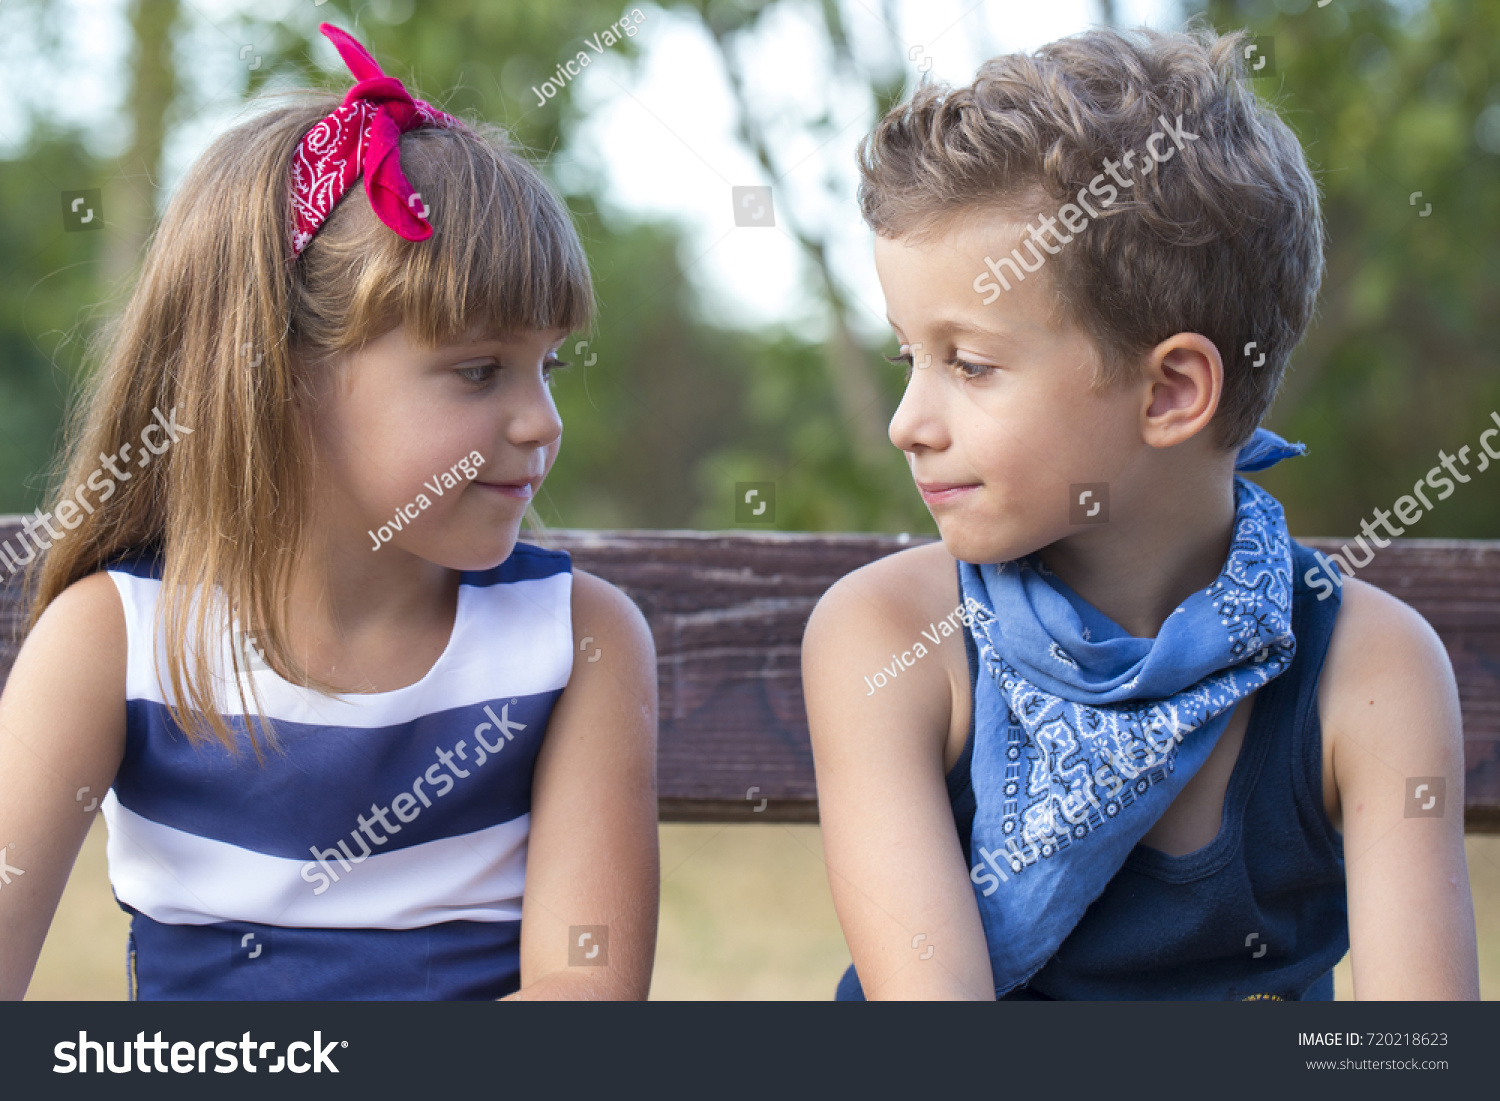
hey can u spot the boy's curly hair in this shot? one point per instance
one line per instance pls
(1223, 237)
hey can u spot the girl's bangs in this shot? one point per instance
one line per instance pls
(503, 257)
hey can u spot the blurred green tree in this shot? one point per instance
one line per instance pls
(666, 410)
(1398, 107)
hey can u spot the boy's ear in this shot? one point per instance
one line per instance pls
(1185, 376)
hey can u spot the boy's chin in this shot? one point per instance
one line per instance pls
(981, 548)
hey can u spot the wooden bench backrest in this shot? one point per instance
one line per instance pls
(727, 611)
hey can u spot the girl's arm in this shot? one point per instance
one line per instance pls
(588, 914)
(62, 734)
(1390, 703)
(900, 882)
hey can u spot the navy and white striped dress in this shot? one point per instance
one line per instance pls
(380, 851)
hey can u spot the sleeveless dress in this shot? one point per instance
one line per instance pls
(1257, 913)
(380, 850)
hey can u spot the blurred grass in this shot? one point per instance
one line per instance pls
(746, 914)
(83, 958)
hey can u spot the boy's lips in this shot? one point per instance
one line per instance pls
(936, 493)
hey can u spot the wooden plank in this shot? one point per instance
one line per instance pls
(727, 610)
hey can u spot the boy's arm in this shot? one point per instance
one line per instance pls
(592, 856)
(62, 734)
(1390, 702)
(899, 880)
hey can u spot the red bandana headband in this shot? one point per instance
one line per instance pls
(363, 135)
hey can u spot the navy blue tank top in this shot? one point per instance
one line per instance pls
(1257, 913)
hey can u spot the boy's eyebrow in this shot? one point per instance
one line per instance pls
(947, 325)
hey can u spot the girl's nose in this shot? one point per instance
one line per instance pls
(536, 422)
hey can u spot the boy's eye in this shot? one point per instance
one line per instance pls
(964, 367)
(552, 363)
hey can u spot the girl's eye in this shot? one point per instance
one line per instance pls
(479, 374)
(483, 372)
(968, 370)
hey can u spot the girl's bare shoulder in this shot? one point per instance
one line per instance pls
(602, 609)
(84, 624)
(67, 687)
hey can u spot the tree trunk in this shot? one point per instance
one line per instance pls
(130, 209)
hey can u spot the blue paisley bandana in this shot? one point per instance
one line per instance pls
(1083, 734)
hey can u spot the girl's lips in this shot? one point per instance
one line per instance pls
(520, 490)
(937, 493)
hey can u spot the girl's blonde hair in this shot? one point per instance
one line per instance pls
(225, 335)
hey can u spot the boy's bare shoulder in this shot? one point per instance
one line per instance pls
(900, 593)
(1377, 635)
(1387, 682)
(876, 619)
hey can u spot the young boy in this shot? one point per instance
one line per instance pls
(1106, 739)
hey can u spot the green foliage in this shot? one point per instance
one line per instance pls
(47, 288)
(1401, 361)
(674, 410)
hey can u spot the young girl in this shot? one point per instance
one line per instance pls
(287, 626)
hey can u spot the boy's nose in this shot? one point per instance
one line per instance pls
(917, 422)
